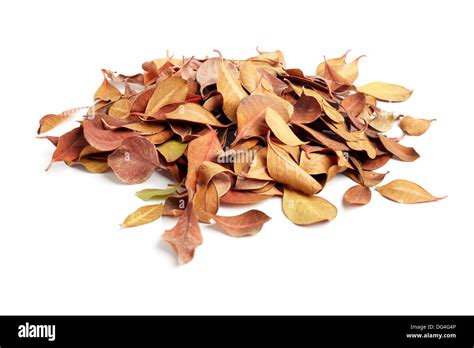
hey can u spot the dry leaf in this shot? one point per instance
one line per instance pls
(107, 92)
(414, 126)
(406, 192)
(403, 153)
(284, 170)
(357, 195)
(170, 91)
(229, 87)
(143, 215)
(386, 91)
(194, 113)
(185, 236)
(281, 129)
(51, 121)
(246, 224)
(304, 209)
(134, 161)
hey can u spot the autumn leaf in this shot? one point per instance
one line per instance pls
(51, 121)
(148, 194)
(281, 129)
(229, 87)
(143, 215)
(185, 236)
(107, 92)
(386, 91)
(170, 91)
(406, 192)
(357, 195)
(414, 126)
(172, 149)
(403, 153)
(69, 146)
(194, 113)
(304, 209)
(248, 223)
(134, 161)
(102, 139)
(283, 169)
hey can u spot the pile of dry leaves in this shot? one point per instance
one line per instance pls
(239, 132)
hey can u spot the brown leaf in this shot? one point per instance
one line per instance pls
(246, 224)
(413, 126)
(185, 236)
(403, 153)
(251, 115)
(284, 170)
(134, 161)
(406, 192)
(104, 140)
(239, 197)
(204, 148)
(306, 110)
(69, 146)
(357, 195)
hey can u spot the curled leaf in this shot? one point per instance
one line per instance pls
(414, 126)
(403, 153)
(51, 121)
(283, 169)
(107, 92)
(229, 87)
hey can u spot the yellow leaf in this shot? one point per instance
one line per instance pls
(386, 91)
(169, 91)
(51, 121)
(229, 86)
(120, 109)
(283, 169)
(414, 126)
(406, 192)
(302, 209)
(281, 129)
(107, 92)
(192, 112)
(143, 215)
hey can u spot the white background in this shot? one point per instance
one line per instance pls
(61, 248)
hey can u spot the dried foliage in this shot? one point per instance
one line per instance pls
(239, 132)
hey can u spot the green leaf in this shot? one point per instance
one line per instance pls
(172, 150)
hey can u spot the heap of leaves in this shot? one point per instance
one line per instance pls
(240, 132)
